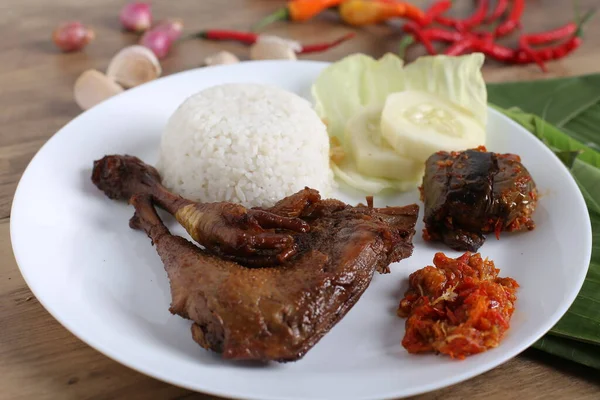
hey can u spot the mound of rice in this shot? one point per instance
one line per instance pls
(244, 143)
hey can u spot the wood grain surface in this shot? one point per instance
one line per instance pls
(39, 359)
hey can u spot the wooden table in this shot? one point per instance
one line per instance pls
(39, 359)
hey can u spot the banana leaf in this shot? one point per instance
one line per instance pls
(565, 115)
(582, 353)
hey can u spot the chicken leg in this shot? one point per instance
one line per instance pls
(280, 313)
(226, 229)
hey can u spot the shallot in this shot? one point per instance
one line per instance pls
(172, 27)
(72, 36)
(158, 41)
(136, 16)
(160, 38)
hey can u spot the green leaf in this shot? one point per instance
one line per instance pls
(583, 353)
(559, 101)
(571, 128)
(588, 178)
(568, 157)
(553, 137)
(582, 320)
(586, 127)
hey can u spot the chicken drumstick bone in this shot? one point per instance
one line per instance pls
(226, 229)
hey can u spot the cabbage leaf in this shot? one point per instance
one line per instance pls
(345, 87)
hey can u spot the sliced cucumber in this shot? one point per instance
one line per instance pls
(417, 124)
(372, 155)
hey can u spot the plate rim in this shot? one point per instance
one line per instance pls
(114, 354)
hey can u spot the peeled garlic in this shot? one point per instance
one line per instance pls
(134, 65)
(272, 50)
(222, 57)
(93, 87)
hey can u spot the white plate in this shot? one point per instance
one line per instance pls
(105, 283)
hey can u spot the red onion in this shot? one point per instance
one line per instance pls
(158, 41)
(136, 16)
(72, 36)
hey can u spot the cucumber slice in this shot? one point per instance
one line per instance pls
(372, 155)
(417, 124)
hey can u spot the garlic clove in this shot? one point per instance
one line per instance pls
(272, 50)
(134, 65)
(93, 87)
(295, 45)
(222, 57)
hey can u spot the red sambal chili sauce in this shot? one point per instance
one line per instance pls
(457, 307)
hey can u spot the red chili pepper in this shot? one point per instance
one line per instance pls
(562, 32)
(501, 6)
(551, 52)
(524, 45)
(436, 9)
(494, 50)
(442, 35)
(468, 23)
(319, 47)
(572, 30)
(513, 21)
(236, 36)
(545, 54)
(446, 21)
(415, 30)
(550, 36)
(251, 38)
(477, 17)
(461, 47)
(567, 47)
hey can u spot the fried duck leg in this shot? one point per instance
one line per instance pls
(280, 313)
(226, 229)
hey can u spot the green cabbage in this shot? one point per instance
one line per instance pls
(351, 83)
(347, 86)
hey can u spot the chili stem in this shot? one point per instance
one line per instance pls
(405, 43)
(581, 21)
(280, 15)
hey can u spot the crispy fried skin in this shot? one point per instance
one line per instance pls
(272, 313)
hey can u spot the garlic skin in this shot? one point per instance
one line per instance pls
(272, 50)
(133, 66)
(221, 58)
(93, 87)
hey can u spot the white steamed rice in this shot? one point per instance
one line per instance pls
(244, 143)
